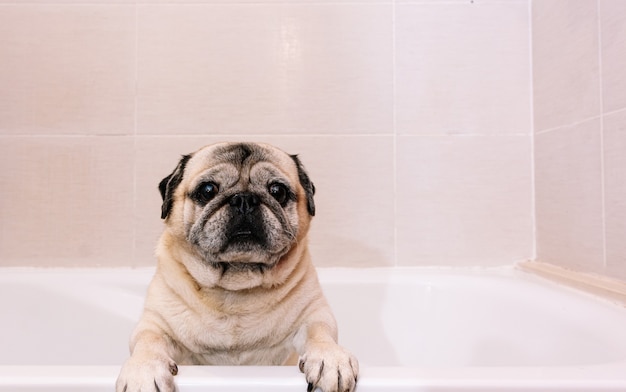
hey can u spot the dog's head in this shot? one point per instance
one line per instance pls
(240, 208)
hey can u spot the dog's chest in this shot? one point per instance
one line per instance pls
(231, 338)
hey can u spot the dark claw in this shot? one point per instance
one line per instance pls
(173, 369)
(301, 365)
(310, 387)
(157, 386)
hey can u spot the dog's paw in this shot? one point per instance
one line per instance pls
(152, 375)
(329, 367)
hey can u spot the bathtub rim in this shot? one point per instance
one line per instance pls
(607, 377)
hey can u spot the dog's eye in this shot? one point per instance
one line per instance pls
(279, 192)
(206, 191)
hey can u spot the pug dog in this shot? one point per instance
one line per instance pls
(234, 284)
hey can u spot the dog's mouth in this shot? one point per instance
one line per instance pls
(244, 240)
(240, 245)
(242, 235)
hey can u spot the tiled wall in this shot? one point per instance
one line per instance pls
(579, 78)
(413, 119)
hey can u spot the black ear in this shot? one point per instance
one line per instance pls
(306, 183)
(168, 185)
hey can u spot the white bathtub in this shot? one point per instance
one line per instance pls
(412, 330)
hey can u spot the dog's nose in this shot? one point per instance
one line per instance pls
(244, 202)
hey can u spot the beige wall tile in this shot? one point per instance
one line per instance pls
(67, 69)
(66, 201)
(615, 193)
(463, 68)
(354, 223)
(464, 1)
(259, 68)
(569, 197)
(613, 35)
(566, 75)
(464, 200)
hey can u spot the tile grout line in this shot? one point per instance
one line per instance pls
(533, 168)
(602, 163)
(135, 139)
(591, 118)
(392, 135)
(395, 133)
(569, 125)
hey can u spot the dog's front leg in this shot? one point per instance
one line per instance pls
(150, 366)
(325, 364)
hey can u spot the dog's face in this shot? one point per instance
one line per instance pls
(240, 207)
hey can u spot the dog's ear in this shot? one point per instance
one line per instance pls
(306, 183)
(168, 185)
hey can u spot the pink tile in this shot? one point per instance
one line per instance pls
(569, 197)
(463, 68)
(66, 201)
(265, 69)
(613, 35)
(566, 71)
(354, 222)
(464, 200)
(67, 69)
(354, 225)
(615, 193)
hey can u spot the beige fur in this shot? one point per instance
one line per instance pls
(248, 298)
